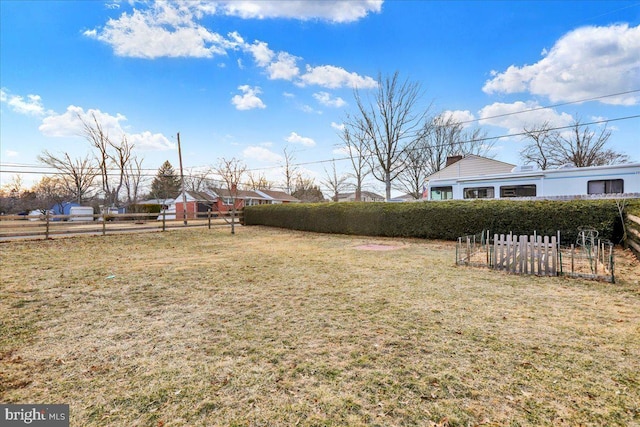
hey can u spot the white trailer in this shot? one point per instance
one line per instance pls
(621, 180)
(81, 213)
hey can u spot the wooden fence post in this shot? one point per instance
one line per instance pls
(524, 264)
(46, 233)
(164, 219)
(209, 218)
(554, 256)
(104, 224)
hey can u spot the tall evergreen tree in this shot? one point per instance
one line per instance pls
(166, 184)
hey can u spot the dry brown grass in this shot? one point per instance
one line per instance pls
(278, 328)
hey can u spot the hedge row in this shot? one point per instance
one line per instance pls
(445, 220)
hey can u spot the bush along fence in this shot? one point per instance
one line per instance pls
(589, 258)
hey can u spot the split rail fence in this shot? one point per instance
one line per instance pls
(589, 257)
(48, 226)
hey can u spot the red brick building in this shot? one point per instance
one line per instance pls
(198, 203)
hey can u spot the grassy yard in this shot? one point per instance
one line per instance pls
(279, 328)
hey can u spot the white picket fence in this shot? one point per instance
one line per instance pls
(537, 255)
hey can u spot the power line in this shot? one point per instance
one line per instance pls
(315, 162)
(580, 101)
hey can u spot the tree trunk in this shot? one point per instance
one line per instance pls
(387, 184)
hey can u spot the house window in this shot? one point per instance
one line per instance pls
(518, 191)
(605, 186)
(479, 193)
(227, 201)
(441, 193)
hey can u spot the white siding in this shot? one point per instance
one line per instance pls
(473, 166)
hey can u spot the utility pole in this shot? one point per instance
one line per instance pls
(184, 194)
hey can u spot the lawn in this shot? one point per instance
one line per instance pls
(269, 327)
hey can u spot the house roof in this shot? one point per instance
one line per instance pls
(472, 165)
(278, 195)
(200, 196)
(213, 194)
(363, 194)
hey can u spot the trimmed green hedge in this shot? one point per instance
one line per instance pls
(446, 220)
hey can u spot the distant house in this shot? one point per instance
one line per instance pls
(403, 198)
(275, 196)
(218, 200)
(365, 196)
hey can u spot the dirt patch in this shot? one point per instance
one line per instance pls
(375, 247)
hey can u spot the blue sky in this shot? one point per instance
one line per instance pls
(249, 79)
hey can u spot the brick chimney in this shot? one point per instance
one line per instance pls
(452, 159)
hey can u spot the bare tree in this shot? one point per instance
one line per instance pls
(585, 147)
(231, 171)
(133, 180)
(110, 156)
(306, 190)
(416, 170)
(354, 139)
(11, 195)
(197, 180)
(51, 191)
(78, 175)
(290, 170)
(441, 136)
(538, 149)
(390, 122)
(258, 181)
(580, 146)
(333, 182)
(122, 158)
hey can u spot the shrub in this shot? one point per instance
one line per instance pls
(446, 220)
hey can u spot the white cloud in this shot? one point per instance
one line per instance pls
(172, 29)
(32, 105)
(337, 126)
(249, 99)
(261, 53)
(342, 151)
(11, 153)
(460, 116)
(326, 99)
(329, 10)
(164, 30)
(584, 63)
(308, 109)
(512, 117)
(151, 141)
(70, 123)
(262, 154)
(294, 138)
(284, 68)
(333, 77)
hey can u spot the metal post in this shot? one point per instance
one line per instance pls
(184, 194)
